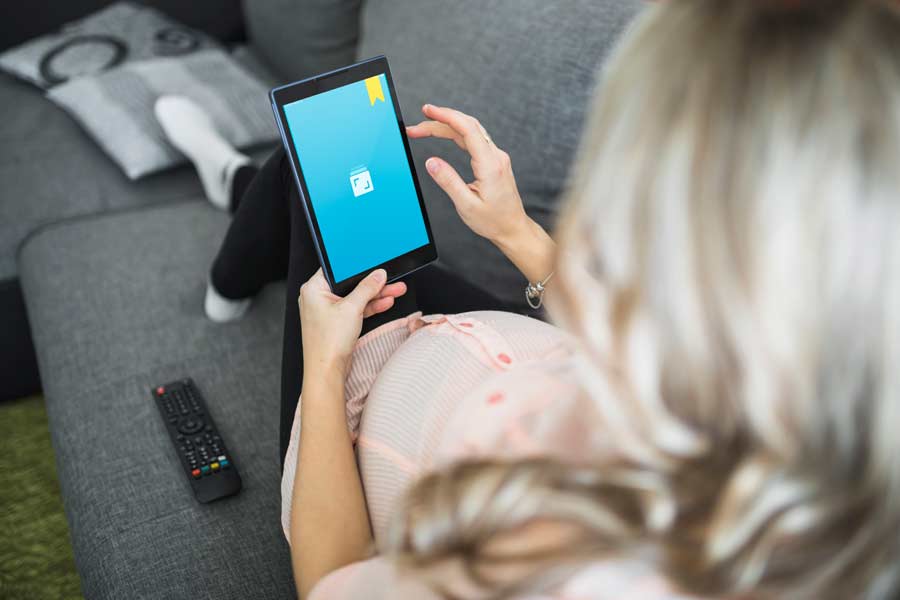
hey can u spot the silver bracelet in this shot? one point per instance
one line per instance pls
(534, 292)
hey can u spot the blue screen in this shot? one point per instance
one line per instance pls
(357, 174)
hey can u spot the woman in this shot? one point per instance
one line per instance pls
(719, 420)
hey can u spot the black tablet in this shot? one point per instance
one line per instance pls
(351, 159)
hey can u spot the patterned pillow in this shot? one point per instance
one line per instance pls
(116, 107)
(116, 35)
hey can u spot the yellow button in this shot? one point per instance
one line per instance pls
(215, 466)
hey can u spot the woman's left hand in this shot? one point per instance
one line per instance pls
(331, 325)
(490, 205)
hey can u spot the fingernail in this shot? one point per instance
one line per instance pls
(432, 165)
(426, 107)
(380, 275)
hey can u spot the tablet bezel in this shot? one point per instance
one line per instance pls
(400, 266)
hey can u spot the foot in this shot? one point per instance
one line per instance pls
(190, 129)
(221, 309)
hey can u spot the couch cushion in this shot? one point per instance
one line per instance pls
(301, 38)
(525, 68)
(115, 303)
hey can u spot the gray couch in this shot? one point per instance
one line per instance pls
(113, 273)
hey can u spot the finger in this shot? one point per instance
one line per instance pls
(394, 290)
(435, 129)
(368, 289)
(318, 279)
(377, 306)
(450, 181)
(314, 284)
(468, 127)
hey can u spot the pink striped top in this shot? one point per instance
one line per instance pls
(424, 392)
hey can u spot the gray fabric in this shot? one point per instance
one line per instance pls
(116, 307)
(144, 32)
(525, 68)
(248, 57)
(301, 38)
(116, 107)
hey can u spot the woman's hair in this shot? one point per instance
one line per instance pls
(730, 263)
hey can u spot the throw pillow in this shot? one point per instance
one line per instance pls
(116, 35)
(116, 107)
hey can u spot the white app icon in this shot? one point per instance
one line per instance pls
(361, 182)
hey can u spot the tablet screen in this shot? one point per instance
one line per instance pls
(357, 174)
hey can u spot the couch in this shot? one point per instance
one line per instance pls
(112, 272)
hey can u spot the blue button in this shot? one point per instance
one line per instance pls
(224, 464)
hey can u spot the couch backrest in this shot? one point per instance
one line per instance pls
(525, 68)
(300, 38)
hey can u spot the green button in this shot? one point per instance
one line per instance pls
(205, 470)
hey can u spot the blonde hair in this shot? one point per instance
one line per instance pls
(731, 246)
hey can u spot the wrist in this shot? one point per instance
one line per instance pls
(516, 236)
(326, 368)
(530, 249)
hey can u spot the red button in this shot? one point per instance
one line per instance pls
(504, 358)
(160, 390)
(196, 473)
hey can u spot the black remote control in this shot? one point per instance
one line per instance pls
(208, 464)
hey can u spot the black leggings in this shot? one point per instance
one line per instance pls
(269, 240)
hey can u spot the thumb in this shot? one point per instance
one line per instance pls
(449, 180)
(367, 289)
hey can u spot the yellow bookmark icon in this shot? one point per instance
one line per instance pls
(373, 86)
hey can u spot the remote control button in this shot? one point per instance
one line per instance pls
(160, 391)
(215, 466)
(196, 473)
(225, 464)
(205, 470)
(190, 426)
(221, 458)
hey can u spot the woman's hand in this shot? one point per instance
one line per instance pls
(491, 205)
(331, 324)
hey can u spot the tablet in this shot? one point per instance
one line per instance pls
(351, 160)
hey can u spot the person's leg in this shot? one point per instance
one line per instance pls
(240, 183)
(191, 130)
(255, 249)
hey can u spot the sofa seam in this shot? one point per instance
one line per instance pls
(51, 225)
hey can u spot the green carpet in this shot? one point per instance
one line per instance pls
(35, 554)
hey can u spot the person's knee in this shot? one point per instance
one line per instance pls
(281, 158)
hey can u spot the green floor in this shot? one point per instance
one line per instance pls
(35, 554)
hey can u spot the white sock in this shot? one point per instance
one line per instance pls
(190, 129)
(222, 310)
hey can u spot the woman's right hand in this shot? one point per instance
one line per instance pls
(491, 205)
